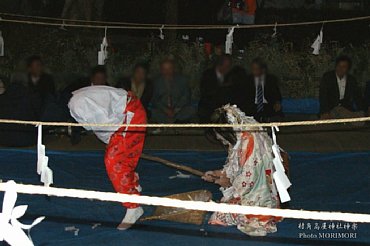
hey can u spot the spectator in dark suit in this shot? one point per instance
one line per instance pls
(139, 84)
(236, 91)
(171, 100)
(340, 96)
(40, 84)
(265, 93)
(16, 104)
(212, 80)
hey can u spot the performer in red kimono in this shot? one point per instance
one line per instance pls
(104, 104)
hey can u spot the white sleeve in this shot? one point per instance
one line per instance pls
(100, 105)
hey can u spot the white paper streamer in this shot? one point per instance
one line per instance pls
(274, 34)
(161, 34)
(73, 229)
(185, 37)
(103, 53)
(280, 178)
(46, 174)
(230, 40)
(11, 230)
(129, 117)
(2, 45)
(316, 46)
(180, 175)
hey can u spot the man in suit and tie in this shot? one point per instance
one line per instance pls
(265, 95)
(212, 81)
(340, 96)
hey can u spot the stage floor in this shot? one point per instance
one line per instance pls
(330, 182)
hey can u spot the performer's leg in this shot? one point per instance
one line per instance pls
(121, 158)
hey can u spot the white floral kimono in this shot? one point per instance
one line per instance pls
(249, 167)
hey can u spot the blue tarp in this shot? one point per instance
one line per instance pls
(330, 182)
(301, 106)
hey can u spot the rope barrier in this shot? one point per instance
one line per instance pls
(91, 21)
(279, 124)
(149, 26)
(191, 205)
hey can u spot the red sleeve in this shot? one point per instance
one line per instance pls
(251, 6)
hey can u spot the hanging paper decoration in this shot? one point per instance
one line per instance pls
(317, 44)
(229, 41)
(185, 37)
(2, 45)
(42, 161)
(281, 179)
(103, 53)
(11, 230)
(63, 26)
(274, 34)
(161, 34)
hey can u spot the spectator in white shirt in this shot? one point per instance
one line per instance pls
(340, 96)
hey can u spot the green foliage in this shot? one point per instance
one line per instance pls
(70, 54)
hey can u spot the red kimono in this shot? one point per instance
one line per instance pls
(104, 104)
(124, 150)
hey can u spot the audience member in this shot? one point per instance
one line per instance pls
(212, 80)
(243, 11)
(339, 94)
(99, 76)
(40, 84)
(171, 100)
(236, 91)
(140, 85)
(265, 96)
(367, 97)
(16, 104)
(2, 87)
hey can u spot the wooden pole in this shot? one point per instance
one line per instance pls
(172, 164)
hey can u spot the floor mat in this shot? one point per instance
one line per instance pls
(330, 182)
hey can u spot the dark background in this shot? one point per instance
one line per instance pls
(205, 11)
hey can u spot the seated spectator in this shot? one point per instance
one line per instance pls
(339, 93)
(367, 97)
(171, 100)
(139, 84)
(99, 76)
(243, 11)
(236, 91)
(212, 80)
(40, 84)
(265, 94)
(2, 87)
(16, 104)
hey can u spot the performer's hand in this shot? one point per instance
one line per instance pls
(209, 176)
(223, 181)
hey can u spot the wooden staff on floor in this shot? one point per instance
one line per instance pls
(172, 164)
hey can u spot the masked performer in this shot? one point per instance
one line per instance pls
(103, 104)
(246, 178)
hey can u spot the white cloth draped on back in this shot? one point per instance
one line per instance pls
(100, 105)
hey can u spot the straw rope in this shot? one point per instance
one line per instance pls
(191, 205)
(279, 124)
(150, 26)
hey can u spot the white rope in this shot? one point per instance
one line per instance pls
(273, 124)
(123, 25)
(191, 205)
